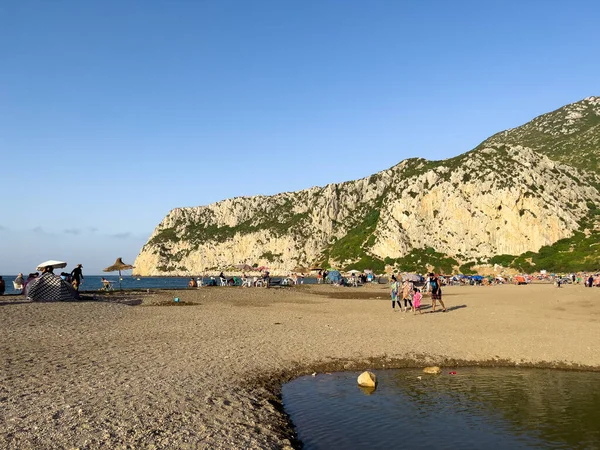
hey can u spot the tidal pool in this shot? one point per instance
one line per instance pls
(499, 408)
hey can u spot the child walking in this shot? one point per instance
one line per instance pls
(417, 302)
(395, 288)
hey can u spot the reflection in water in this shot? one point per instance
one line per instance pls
(367, 390)
(476, 408)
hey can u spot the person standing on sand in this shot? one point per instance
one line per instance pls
(417, 302)
(436, 292)
(2, 286)
(77, 276)
(591, 281)
(395, 291)
(407, 292)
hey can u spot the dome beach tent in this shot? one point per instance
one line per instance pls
(50, 288)
(118, 266)
(334, 276)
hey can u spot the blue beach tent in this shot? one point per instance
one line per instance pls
(334, 276)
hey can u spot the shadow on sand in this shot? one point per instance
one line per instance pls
(84, 298)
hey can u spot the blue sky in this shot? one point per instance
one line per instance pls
(114, 112)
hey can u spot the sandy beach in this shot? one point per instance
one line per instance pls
(135, 370)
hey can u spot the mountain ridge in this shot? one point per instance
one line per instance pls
(497, 199)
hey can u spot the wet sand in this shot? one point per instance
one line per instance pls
(138, 371)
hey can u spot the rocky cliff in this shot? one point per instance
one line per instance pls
(502, 198)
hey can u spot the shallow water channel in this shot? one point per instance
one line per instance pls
(500, 408)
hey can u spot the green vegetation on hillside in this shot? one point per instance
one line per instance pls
(197, 232)
(580, 252)
(419, 259)
(350, 246)
(570, 134)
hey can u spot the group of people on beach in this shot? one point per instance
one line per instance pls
(74, 278)
(244, 281)
(409, 294)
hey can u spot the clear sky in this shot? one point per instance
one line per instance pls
(114, 112)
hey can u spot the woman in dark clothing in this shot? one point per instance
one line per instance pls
(77, 275)
(436, 292)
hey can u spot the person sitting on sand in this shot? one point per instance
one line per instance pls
(106, 285)
(19, 281)
(193, 283)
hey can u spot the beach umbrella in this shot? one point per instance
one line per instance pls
(52, 263)
(118, 266)
(354, 271)
(300, 269)
(244, 267)
(412, 277)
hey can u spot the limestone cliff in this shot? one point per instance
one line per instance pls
(499, 199)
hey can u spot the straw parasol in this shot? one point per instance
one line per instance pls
(118, 266)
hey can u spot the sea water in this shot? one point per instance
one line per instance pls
(500, 408)
(94, 283)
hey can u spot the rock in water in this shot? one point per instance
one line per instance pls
(367, 379)
(433, 370)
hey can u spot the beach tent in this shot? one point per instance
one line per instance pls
(334, 276)
(50, 288)
(519, 279)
